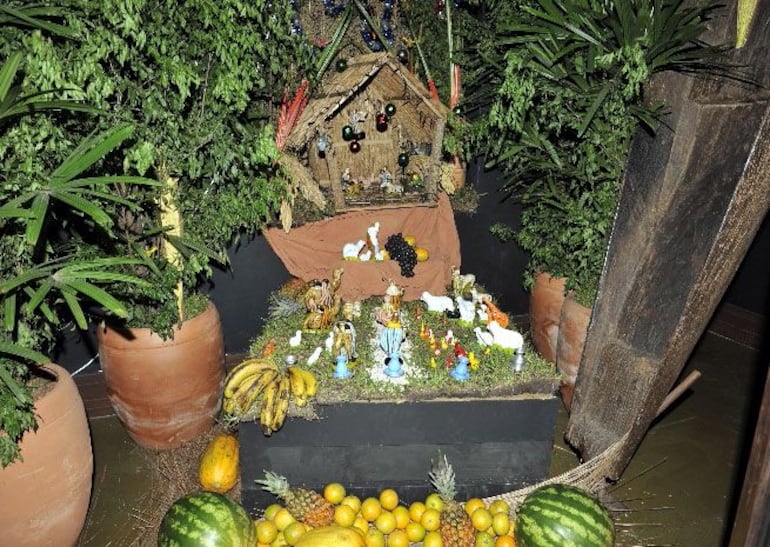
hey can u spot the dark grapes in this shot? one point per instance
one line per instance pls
(403, 253)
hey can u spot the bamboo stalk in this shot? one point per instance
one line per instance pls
(171, 220)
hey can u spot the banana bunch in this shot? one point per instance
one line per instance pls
(261, 376)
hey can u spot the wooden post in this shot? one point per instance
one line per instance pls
(692, 200)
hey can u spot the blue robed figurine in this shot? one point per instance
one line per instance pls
(391, 338)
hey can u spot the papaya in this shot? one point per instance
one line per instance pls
(332, 536)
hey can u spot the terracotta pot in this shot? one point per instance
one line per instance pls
(165, 392)
(44, 499)
(545, 304)
(573, 328)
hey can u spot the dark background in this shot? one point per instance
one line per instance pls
(241, 294)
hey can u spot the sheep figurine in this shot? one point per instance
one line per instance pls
(484, 338)
(505, 338)
(467, 309)
(437, 303)
(350, 251)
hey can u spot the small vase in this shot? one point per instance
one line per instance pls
(545, 305)
(165, 392)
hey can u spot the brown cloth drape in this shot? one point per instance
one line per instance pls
(314, 250)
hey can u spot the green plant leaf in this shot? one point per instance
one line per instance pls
(89, 152)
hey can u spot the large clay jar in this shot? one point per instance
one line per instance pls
(44, 499)
(545, 302)
(165, 392)
(573, 328)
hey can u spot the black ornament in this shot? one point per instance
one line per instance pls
(347, 133)
(355, 147)
(403, 56)
(361, 135)
(390, 109)
(458, 111)
(403, 159)
(341, 65)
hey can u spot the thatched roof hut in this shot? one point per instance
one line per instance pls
(348, 109)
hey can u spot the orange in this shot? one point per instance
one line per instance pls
(501, 523)
(334, 492)
(431, 520)
(434, 501)
(402, 517)
(416, 510)
(472, 504)
(293, 532)
(481, 519)
(271, 510)
(354, 502)
(385, 522)
(432, 539)
(283, 518)
(398, 538)
(371, 509)
(344, 516)
(266, 531)
(389, 499)
(415, 532)
(499, 506)
(374, 538)
(505, 541)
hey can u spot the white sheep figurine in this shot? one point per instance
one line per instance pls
(467, 309)
(437, 303)
(505, 338)
(350, 251)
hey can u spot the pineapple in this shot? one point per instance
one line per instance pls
(304, 505)
(456, 528)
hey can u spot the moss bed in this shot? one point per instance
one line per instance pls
(427, 371)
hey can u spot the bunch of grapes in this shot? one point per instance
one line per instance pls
(403, 253)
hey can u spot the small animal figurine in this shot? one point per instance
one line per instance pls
(313, 358)
(460, 370)
(437, 303)
(296, 340)
(505, 338)
(494, 313)
(484, 338)
(466, 308)
(350, 251)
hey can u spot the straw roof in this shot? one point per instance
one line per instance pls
(380, 72)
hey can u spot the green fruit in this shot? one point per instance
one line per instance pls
(206, 519)
(556, 515)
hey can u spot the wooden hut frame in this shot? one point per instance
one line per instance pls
(353, 98)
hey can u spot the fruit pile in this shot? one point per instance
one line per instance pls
(402, 252)
(382, 521)
(261, 376)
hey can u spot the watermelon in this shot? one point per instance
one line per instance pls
(560, 515)
(206, 519)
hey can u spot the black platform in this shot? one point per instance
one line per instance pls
(495, 446)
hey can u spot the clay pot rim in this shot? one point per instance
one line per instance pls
(146, 332)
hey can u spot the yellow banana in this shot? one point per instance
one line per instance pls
(244, 399)
(267, 408)
(311, 383)
(297, 381)
(282, 402)
(241, 371)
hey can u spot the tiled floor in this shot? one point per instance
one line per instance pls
(679, 489)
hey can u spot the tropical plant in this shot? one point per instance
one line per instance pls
(56, 264)
(201, 82)
(566, 96)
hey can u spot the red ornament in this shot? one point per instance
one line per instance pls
(460, 351)
(355, 147)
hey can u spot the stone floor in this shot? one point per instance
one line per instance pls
(680, 488)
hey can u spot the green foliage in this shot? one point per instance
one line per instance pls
(566, 96)
(200, 81)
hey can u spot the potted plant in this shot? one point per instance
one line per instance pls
(568, 94)
(200, 86)
(56, 267)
